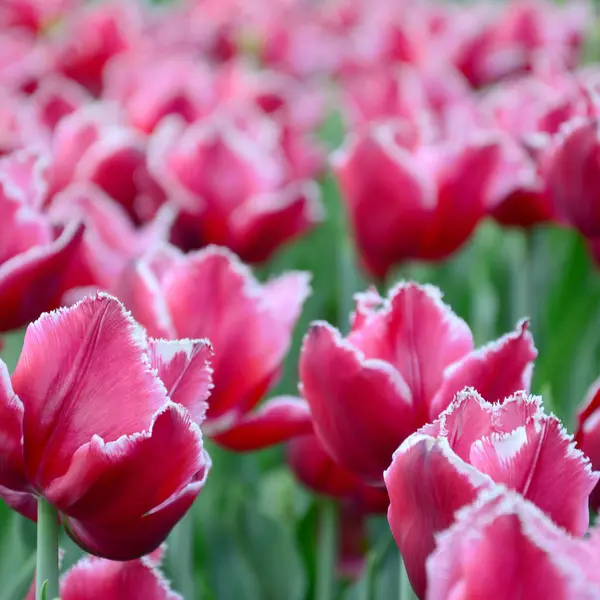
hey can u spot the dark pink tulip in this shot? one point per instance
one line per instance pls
(34, 255)
(490, 44)
(538, 560)
(409, 198)
(409, 354)
(233, 187)
(444, 465)
(210, 293)
(91, 424)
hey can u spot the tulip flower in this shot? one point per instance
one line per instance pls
(409, 354)
(93, 578)
(537, 559)
(233, 186)
(94, 145)
(210, 293)
(474, 443)
(34, 254)
(99, 422)
(588, 433)
(409, 198)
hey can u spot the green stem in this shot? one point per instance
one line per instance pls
(47, 551)
(368, 583)
(327, 550)
(181, 556)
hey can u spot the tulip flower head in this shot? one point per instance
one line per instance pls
(475, 445)
(409, 355)
(97, 420)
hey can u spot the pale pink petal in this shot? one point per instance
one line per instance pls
(537, 560)
(539, 460)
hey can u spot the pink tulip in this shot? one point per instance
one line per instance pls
(101, 422)
(412, 198)
(409, 355)
(504, 543)
(210, 293)
(474, 443)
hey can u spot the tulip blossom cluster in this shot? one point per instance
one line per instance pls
(153, 154)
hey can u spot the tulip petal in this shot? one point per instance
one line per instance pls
(496, 370)
(336, 380)
(467, 563)
(183, 366)
(427, 483)
(98, 579)
(31, 282)
(276, 421)
(419, 335)
(212, 294)
(539, 460)
(12, 465)
(99, 382)
(388, 195)
(121, 499)
(263, 223)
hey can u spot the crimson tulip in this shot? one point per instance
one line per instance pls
(100, 422)
(409, 354)
(210, 293)
(471, 446)
(412, 198)
(537, 560)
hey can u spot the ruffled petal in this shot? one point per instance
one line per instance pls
(99, 382)
(98, 579)
(184, 368)
(496, 370)
(427, 483)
